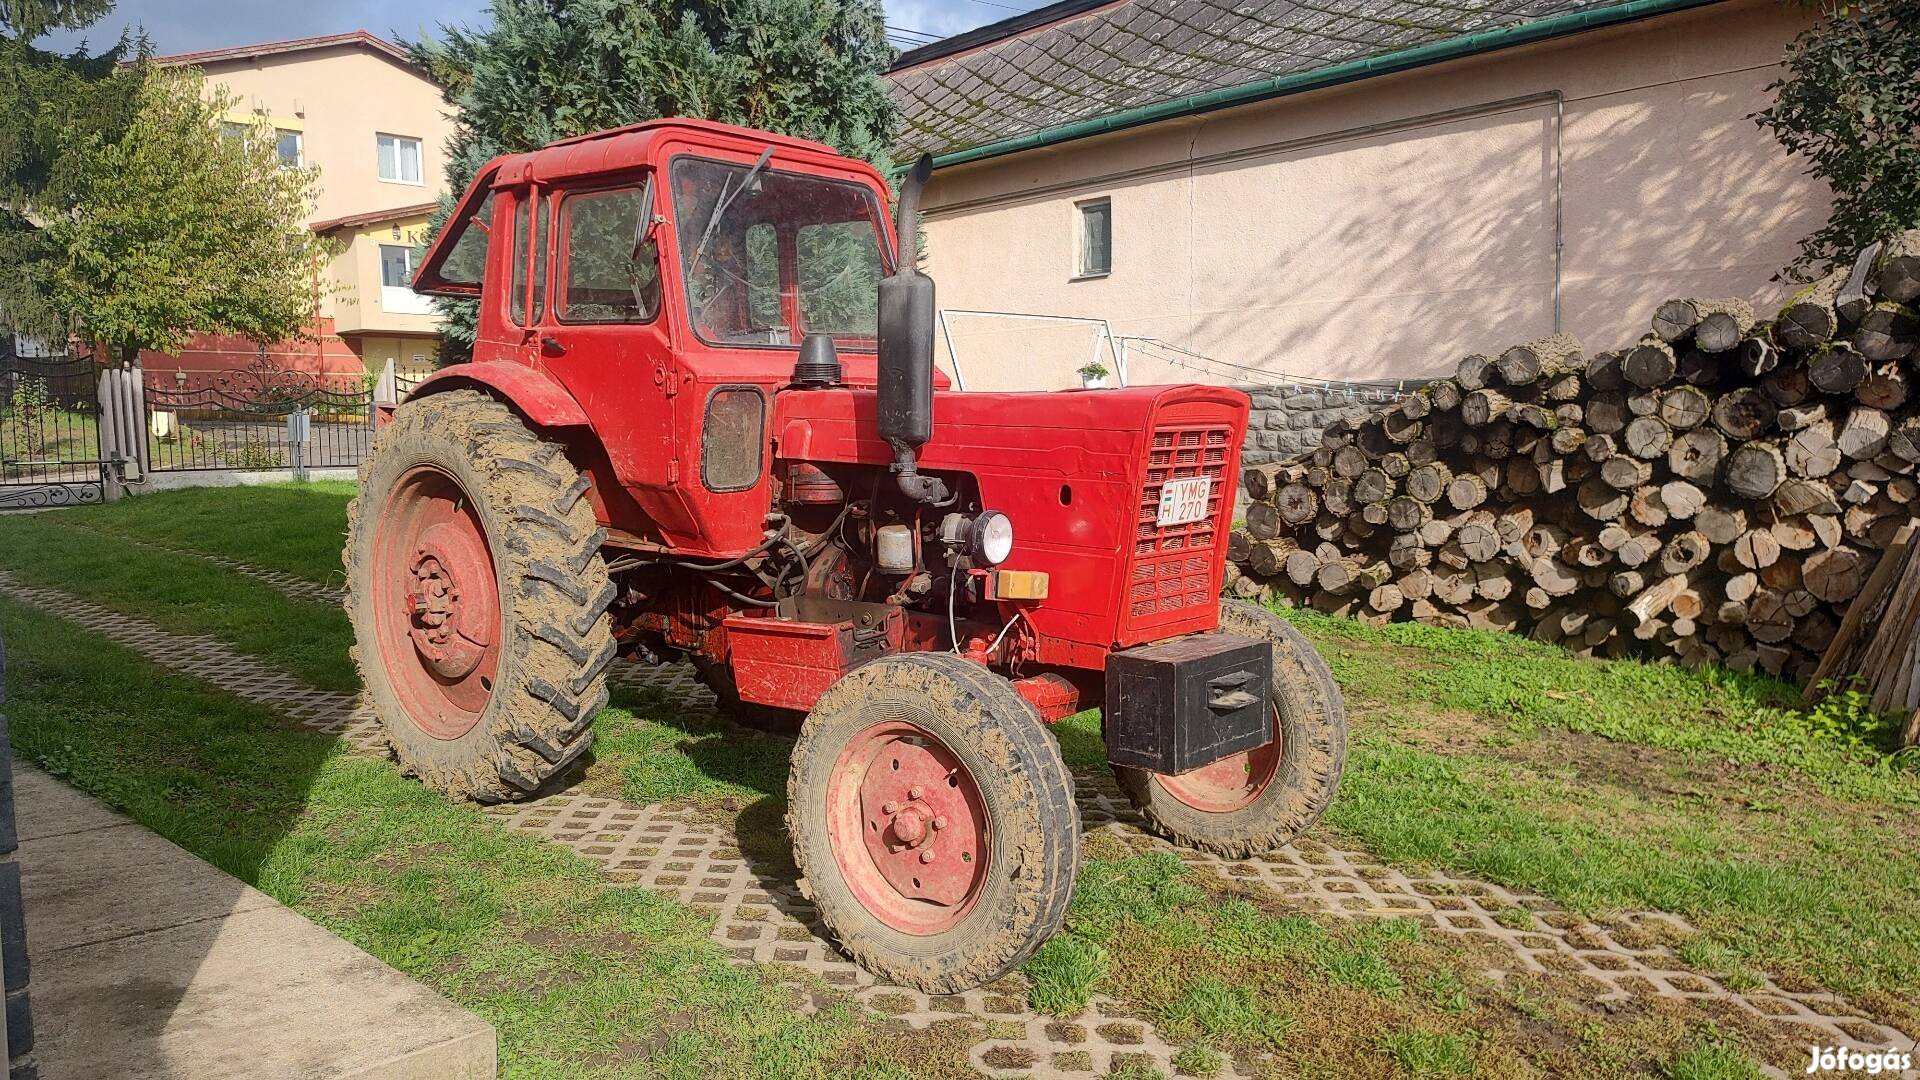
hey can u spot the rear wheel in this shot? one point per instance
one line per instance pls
(933, 822)
(478, 598)
(1259, 800)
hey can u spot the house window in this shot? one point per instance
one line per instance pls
(1096, 238)
(400, 159)
(288, 143)
(396, 266)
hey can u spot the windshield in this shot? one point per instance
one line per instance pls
(771, 256)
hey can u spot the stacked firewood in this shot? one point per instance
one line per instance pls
(1718, 491)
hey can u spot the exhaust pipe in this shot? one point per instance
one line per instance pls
(905, 393)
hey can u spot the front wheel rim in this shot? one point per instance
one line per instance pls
(909, 828)
(436, 603)
(1232, 783)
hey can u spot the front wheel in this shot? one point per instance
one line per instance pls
(1259, 800)
(933, 822)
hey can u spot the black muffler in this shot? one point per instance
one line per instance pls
(905, 392)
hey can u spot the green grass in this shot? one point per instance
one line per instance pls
(187, 595)
(581, 977)
(297, 528)
(1426, 1053)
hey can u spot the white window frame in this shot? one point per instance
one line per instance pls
(401, 299)
(1081, 271)
(299, 146)
(399, 177)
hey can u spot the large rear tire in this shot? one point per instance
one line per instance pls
(1260, 800)
(933, 822)
(478, 598)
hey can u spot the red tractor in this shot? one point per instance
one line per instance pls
(699, 425)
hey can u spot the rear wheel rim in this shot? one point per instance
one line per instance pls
(436, 602)
(909, 828)
(1232, 783)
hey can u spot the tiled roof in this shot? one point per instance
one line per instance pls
(1081, 60)
(360, 38)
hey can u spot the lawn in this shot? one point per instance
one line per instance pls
(1789, 838)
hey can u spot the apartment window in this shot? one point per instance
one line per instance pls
(288, 143)
(1096, 238)
(396, 266)
(400, 159)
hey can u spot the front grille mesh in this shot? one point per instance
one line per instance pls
(1173, 566)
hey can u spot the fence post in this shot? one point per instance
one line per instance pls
(386, 391)
(297, 431)
(137, 393)
(108, 432)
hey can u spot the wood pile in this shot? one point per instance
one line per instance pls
(1719, 491)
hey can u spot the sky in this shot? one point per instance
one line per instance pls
(191, 25)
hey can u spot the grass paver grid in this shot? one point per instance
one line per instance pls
(765, 920)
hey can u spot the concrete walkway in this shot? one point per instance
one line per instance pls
(148, 962)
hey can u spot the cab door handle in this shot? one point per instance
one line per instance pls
(552, 346)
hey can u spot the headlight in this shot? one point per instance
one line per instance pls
(990, 540)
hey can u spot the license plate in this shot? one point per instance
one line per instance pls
(1184, 501)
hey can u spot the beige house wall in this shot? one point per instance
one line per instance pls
(356, 299)
(1385, 228)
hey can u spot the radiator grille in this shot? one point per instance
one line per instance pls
(1173, 566)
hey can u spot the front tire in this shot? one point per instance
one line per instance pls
(1260, 800)
(478, 598)
(933, 822)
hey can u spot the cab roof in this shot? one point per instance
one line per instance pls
(629, 147)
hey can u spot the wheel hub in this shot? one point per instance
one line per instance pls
(909, 828)
(451, 628)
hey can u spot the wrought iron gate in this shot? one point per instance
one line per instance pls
(50, 431)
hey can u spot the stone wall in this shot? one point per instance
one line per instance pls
(1288, 418)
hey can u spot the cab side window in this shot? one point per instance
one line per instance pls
(610, 265)
(529, 254)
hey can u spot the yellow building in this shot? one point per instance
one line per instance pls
(375, 126)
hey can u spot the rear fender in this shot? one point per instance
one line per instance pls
(542, 400)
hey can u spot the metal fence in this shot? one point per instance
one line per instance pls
(49, 431)
(214, 428)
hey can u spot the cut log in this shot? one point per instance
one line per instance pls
(1647, 437)
(1600, 501)
(1696, 455)
(1864, 435)
(1268, 558)
(1296, 504)
(1652, 601)
(1768, 619)
(1474, 372)
(1646, 506)
(1808, 320)
(1406, 513)
(1372, 486)
(1722, 329)
(1301, 567)
(1837, 368)
(1812, 453)
(1854, 299)
(1478, 542)
(1684, 552)
(1797, 417)
(1682, 499)
(1399, 428)
(1836, 574)
(1625, 473)
(1756, 549)
(1754, 470)
(1684, 407)
(1406, 552)
(1607, 413)
(1549, 356)
(1482, 407)
(1756, 357)
(1745, 413)
(1886, 388)
(1649, 364)
(1428, 483)
(1603, 371)
(1898, 272)
(1386, 598)
(1554, 577)
(1721, 524)
(1264, 522)
(1787, 385)
(1445, 394)
(1466, 492)
(1349, 462)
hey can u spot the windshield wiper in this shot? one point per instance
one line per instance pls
(727, 196)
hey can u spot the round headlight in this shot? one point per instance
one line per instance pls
(991, 539)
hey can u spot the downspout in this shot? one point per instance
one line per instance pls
(1559, 176)
(1406, 59)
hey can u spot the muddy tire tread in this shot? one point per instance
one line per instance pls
(557, 639)
(1040, 819)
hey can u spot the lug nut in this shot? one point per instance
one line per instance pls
(939, 823)
(891, 807)
(916, 791)
(926, 855)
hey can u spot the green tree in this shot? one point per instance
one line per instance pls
(177, 228)
(1850, 104)
(49, 104)
(550, 69)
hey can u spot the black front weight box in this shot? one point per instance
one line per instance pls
(1176, 706)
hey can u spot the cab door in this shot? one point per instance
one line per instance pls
(587, 294)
